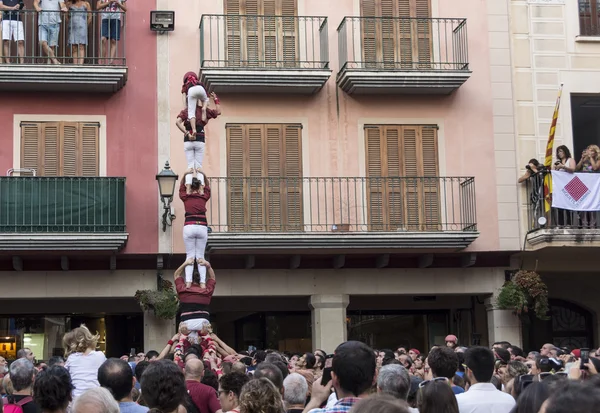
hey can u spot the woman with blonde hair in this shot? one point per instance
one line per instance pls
(589, 162)
(260, 396)
(83, 360)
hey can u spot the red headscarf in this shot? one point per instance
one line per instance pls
(190, 79)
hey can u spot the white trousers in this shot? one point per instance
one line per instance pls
(195, 238)
(194, 152)
(195, 94)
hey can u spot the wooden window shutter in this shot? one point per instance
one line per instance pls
(370, 31)
(293, 184)
(89, 149)
(233, 27)
(375, 182)
(235, 171)
(254, 190)
(70, 148)
(31, 147)
(431, 187)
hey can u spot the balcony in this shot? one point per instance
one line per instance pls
(62, 214)
(384, 55)
(31, 70)
(264, 54)
(368, 214)
(562, 228)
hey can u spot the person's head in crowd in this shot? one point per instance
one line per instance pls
(210, 378)
(239, 367)
(139, 370)
(542, 365)
(546, 350)
(405, 360)
(385, 355)
(194, 370)
(96, 400)
(152, 355)
(320, 364)
(226, 367)
(380, 403)
(163, 387)
(56, 361)
(353, 369)
(515, 369)
(393, 361)
(230, 388)
(260, 396)
(26, 353)
(413, 353)
(451, 341)
(574, 396)
(401, 350)
(414, 389)
(273, 357)
(501, 364)
(270, 372)
(283, 367)
(295, 391)
(21, 375)
(79, 340)
(501, 344)
(307, 361)
(52, 389)
(419, 362)
(532, 355)
(562, 152)
(443, 362)
(435, 396)
(319, 352)
(259, 357)
(458, 381)
(116, 375)
(394, 380)
(515, 352)
(479, 363)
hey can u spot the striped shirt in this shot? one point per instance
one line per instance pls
(342, 406)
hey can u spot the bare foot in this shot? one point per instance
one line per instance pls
(55, 61)
(188, 285)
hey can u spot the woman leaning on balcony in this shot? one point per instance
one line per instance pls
(564, 163)
(195, 229)
(590, 163)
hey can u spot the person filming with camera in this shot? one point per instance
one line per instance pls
(533, 168)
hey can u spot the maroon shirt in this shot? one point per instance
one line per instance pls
(210, 114)
(195, 294)
(203, 396)
(195, 204)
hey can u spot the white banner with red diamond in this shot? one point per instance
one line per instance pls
(576, 192)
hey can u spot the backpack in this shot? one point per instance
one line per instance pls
(16, 407)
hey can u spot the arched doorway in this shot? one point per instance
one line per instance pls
(569, 326)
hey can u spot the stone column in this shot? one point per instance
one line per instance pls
(503, 325)
(157, 332)
(328, 320)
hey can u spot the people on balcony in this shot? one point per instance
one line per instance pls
(194, 91)
(589, 161)
(49, 20)
(194, 144)
(111, 28)
(79, 19)
(12, 28)
(195, 193)
(564, 163)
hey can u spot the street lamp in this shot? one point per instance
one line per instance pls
(167, 179)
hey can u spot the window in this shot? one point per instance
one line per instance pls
(589, 17)
(400, 43)
(402, 184)
(258, 38)
(60, 148)
(264, 167)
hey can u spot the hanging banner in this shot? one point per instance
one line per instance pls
(576, 192)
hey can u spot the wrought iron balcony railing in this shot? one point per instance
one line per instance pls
(349, 204)
(79, 39)
(263, 42)
(403, 44)
(556, 218)
(62, 205)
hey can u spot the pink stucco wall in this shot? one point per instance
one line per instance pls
(333, 144)
(131, 126)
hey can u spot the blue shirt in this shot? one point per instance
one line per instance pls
(131, 407)
(457, 390)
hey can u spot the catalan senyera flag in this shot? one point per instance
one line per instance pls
(549, 152)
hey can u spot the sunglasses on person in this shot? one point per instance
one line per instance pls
(426, 382)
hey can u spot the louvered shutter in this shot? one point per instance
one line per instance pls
(255, 187)
(369, 28)
(70, 139)
(406, 27)
(431, 190)
(388, 33)
(413, 185)
(292, 184)
(288, 45)
(375, 182)
(274, 171)
(271, 31)
(252, 46)
(89, 149)
(31, 147)
(236, 174)
(394, 186)
(233, 27)
(423, 38)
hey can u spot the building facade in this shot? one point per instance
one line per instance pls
(556, 42)
(362, 171)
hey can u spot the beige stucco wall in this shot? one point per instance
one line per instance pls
(333, 143)
(547, 50)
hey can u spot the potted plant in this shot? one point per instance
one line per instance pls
(162, 302)
(524, 292)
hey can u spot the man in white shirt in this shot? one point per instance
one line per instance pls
(482, 396)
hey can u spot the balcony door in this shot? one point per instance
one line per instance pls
(262, 33)
(264, 171)
(60, 148)
(402, 177)
(396, 34)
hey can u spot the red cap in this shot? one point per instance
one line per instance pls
(576, 353)
(414, 350)
(189, 74)
(451, 338)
